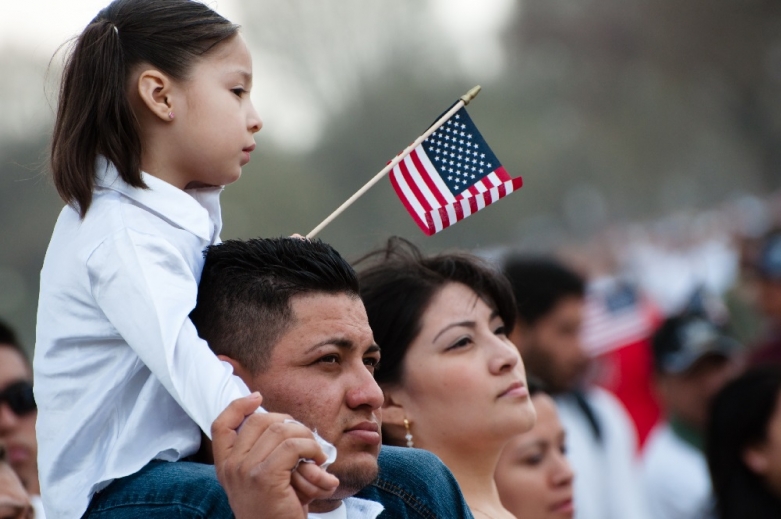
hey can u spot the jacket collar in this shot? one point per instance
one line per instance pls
(194, 210)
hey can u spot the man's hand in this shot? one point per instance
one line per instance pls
(255, 464)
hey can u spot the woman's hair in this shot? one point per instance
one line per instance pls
(399, 285)
(94, 115)
(740, 415)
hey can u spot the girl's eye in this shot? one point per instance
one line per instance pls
(238, 91)
(463, 342)
(533, 460)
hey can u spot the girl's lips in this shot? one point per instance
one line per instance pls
(565, 508)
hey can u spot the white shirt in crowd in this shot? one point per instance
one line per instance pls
(117, 359)
(675, 476)
(606, 484)
(352, 508)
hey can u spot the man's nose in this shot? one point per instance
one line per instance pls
(8, 419)
(365, 392)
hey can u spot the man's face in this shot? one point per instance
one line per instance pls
(552, 348)
(321, 372)
(17, 433)
(688, 395)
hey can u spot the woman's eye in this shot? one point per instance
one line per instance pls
(464, 341)
(501, 330)
(238, 91)
(533, 460)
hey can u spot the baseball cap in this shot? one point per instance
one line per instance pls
(683, 340)
(769, 261)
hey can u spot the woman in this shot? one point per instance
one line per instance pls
(743, 446)
(533, 476)
(453, 383)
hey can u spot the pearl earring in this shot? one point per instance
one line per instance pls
(408, 436)
(170, 115)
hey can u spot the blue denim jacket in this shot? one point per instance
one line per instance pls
(412, 483)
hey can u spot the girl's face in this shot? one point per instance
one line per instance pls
(533, 476)
(214, 118)
(463, 381)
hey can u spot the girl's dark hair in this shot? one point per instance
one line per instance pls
(399, 286)
(94, 115)
(739, 419)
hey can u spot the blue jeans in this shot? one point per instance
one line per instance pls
(163, 490)
(412, 484)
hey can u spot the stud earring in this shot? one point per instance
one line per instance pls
(170, 115)
(408, 436)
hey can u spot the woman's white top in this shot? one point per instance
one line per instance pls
(121, 376)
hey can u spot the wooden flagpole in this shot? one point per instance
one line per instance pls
(463, 101)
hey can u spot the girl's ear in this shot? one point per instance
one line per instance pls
(154, 89)
(756, 460)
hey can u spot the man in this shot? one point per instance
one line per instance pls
(14, 501)
(600, 437)
(693, 360)
(18, 413)
(286, 315)
(768, 270)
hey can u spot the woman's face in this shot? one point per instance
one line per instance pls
(463, 381)
(533, 476)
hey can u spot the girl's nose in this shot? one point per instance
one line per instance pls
(562, 474)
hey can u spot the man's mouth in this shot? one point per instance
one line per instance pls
(366, 432)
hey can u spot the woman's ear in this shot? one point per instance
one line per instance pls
(392, 411)
(154, 89)
(756, 459)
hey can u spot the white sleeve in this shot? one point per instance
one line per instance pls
(626, 496)
(146, 290)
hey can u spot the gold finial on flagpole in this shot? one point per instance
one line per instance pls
(471, 94)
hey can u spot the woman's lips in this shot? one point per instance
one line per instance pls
(517, 389)
(366, 432)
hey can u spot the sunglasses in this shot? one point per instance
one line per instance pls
(19, 397)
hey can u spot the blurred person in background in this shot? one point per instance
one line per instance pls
(600, 435)
(454, 384)
(18, 413)
(534, 476)
(743, 446)
(768, 269)
(14, 501)
(693, 360)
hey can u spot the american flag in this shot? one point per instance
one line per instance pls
(450, 175)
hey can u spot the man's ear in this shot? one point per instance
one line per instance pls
(154, 89)
(756, 459)
(238, 370)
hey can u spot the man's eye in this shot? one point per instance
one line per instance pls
(371, 361)
(329, 359)
(501, 330)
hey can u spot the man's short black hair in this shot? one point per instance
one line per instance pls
(243, 305)
(539, 284)
(8, 339)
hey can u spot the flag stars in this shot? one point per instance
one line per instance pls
(482, 155)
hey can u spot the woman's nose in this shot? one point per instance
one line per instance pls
(504, 355)
(562, 473)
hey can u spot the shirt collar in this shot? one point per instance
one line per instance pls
(194, 210)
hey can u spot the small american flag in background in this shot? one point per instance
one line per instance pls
(450, 175)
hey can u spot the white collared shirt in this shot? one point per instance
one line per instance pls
(352, 508)
(117, 359)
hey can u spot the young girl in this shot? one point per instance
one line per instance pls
(154, 116)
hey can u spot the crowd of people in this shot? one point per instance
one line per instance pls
(178, 375)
